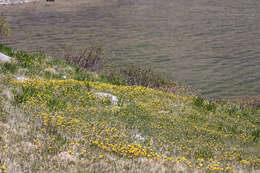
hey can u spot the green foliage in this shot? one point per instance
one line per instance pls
(55, 103)
(24, 59)
(114, 77)
(256, 134)
(25, 94)
(198, 101)
(203, 152)
(8, 51)
(67, 115)
(8, 67)
(2, 114)
(208, 106)
(134, 75)
(81, 75)
(232, 109)
(211, 106)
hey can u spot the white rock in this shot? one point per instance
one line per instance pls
(139, 137)
(164, 112)
(5, 58)
(113, 98)
(65, 156)
(21, 78)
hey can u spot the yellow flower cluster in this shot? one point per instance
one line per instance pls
(3, 167)
(172, 122)
(3, 148)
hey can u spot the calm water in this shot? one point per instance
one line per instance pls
(213, 45)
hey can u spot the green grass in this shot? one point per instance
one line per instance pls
(50, 123)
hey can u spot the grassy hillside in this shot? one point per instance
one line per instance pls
(56, 117)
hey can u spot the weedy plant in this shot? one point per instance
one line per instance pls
(2, 113)
(140, 76)
(91, 59)
(4, 29)
(209, 106)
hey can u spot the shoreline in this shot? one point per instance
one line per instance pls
(45, 28)
(251, 101)
(15, 2)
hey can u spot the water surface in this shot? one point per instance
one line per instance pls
(213, 45)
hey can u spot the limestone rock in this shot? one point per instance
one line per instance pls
(4, 58)
(113, 98)
(21, 78)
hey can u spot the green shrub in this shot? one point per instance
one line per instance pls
(198, 101)
(7, 51)
(141, 76)
(8, 67)
(256, 134)
(211, 106)
(208, 106)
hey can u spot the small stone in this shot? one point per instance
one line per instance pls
(164, 112)
(65, 156)
(139, 137)
(4, 58)
(113, 98)
(21, 78)
(8, 94)
(50, 70)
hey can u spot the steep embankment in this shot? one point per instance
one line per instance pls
(56, 117)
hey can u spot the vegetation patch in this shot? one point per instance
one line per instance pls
(91, 59)
(4, 29)
(63, 123)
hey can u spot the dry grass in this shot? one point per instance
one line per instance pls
(91, 59)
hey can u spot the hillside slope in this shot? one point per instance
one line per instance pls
(55, 117)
